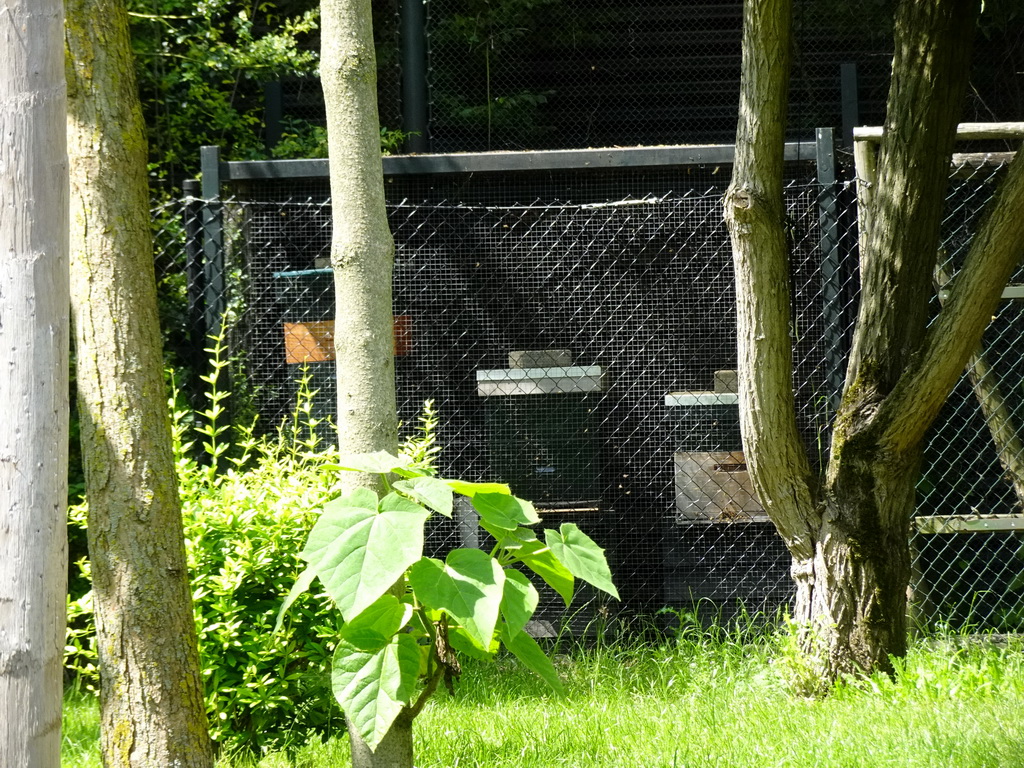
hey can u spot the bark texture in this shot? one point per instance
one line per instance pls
(848, 532)
(33, 381)
(362, 248)
(362, 255)
(153, 712)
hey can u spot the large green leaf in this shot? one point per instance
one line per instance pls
(518, 601)
(459, 640)
(377, 625)
(430, 492)
(581, 556)
(472, 489)
(359, 553)
(525, 649)
(523, 544)
(377, 463)
(467, 586)
(505, 512)
(373, 687)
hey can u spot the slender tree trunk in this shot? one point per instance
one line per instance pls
(394, 750)
(153, 712)
(33, 381)
(362, 247)
(362, 255)
(849, 531)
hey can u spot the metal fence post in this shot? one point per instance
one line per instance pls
(215, 300)
(415, 98)
(831, 266)
(273, 112)
(850, 95)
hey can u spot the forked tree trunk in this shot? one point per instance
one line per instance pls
(850, 605)
(33, 381)
(848, 531)
(153, 710)
(362, 255)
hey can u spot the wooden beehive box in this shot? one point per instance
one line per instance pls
(714, 486)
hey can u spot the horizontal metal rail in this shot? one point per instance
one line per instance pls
(496, 162)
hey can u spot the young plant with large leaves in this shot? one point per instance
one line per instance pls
(407, 616)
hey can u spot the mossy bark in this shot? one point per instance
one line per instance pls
(153, 711)
(848, 530)
(33, 382)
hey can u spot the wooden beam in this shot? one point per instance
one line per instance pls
(968, 523)
(964, 132)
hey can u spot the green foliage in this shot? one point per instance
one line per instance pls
(406, 615)
(422, 446)
(712, 700)
(200, 66)
(486, 33)
(247, 509)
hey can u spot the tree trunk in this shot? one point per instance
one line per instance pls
(362, 255)
(153, 711)
(848, 532)
(362, 248)
(850, 606)
(33, 381)
(394, 750)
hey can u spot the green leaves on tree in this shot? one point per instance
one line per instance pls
(407, 616)
(468, 586)
(578, 552)
(359, 548)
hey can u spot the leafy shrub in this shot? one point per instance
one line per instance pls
(247, 510)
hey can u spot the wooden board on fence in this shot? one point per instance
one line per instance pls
(714, 486)
(313, 342)
(309, 342)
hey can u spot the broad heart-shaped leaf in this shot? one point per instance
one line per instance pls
(506, 512)
(467, 586)
(582, 556)
(523, 544)
(378, 462)
(459, 640)
(373, 687)
(359, 553)
(518, 601)
(525, 649)
(472, 489)
(430, 492)
(377, 625)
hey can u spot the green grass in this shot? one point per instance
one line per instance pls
(698, 703)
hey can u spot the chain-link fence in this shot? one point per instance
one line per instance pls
(473, 75)
(575, 327)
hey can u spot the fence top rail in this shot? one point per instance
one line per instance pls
(964, 131)
(483, 162)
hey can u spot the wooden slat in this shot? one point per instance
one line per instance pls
(968, 523)
(964, 131)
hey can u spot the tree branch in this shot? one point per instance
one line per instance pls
(779, 467)
(995, 252)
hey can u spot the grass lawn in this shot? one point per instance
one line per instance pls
(696, 703)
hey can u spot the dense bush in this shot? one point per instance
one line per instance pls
(247, 509)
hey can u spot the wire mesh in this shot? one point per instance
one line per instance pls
(554, 74)
(551, 74)
(576, 331)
